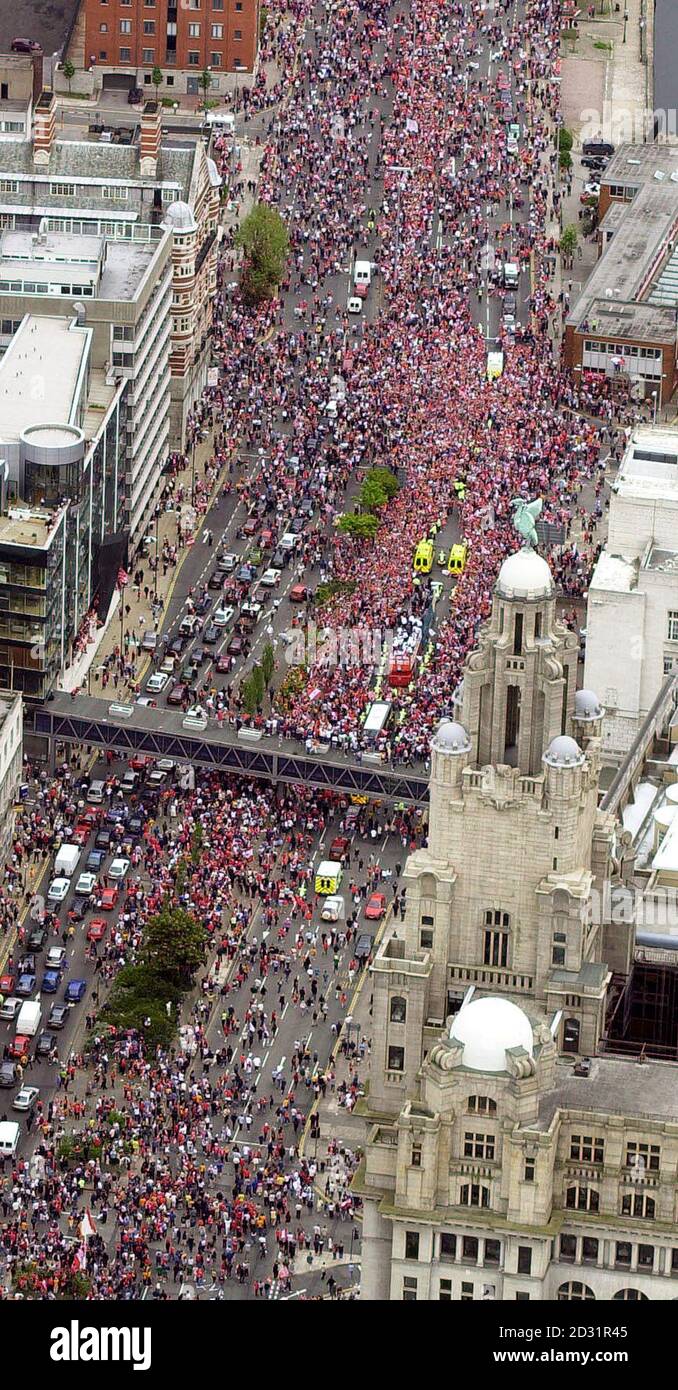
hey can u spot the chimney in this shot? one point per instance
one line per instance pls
(151, 136)
(44, 128)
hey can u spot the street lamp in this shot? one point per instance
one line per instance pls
(626, 20)
(654, 413)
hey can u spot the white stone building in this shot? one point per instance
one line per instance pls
(491, 1167)
(632, 610)
(11, 763)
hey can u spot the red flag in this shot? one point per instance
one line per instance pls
(123, 578)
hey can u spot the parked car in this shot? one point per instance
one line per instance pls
(57, 1016)
(8, 1074)
(46, 1043)
(25, 984)
(75, 991)
(85, 885)
(55, 958)
(19, 1047)
(222, 616)
(50, 982)
(109, 899)
(119, 868)
(96, 930)
(376, 907)
(79, 910)
(25, 1098)
(157, 682)
(203, 604)
(270, 578)
(178, 694)
(211, 635)
(36, 939)
(95, 859)
(58, 890)
(134, 96)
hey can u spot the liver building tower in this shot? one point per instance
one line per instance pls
(499, 971)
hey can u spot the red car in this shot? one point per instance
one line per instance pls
(7, 983)
(180, 693)
(109, 899)
(376, 907)
(234, 647)
(140, 762)
(251, 527)
(97, 928)
(339, 847)
(224, 665)
(298, 593)
(361, 291)
(19, 1046)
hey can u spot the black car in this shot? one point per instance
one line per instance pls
(594, 161)
(36, 939)
(215, 581)
(204, 604)
(103, 839)
(176, 647)
(134, 96)
(211, 635)
(79, 910)
(45, 1044)
(306, 506)
(598, 148)
(135, 827)
(297, 525)
(58, 1015)
(27, 965)
(8, 1074)
(280, 558)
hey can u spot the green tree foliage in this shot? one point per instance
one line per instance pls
(268, 664)
(156, 77)
(362, 527)
(69, 72)
(265, 244)
(568, 240)
(565, 140)
(174, 945)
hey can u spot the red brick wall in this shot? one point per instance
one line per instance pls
(237, 17)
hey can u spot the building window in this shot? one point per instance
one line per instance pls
(147, 56)
(9, 185)
(642, 1157)
(466, 1295)
(237, 34)
(524, 1259)
(492, 1252)
(398, 1012)
(574, 1292)
(622, 1254)
(149, 26)
(522, 1298)
(589, 1251)
(481, 1105)
(559, 941)
(646, 1256)
(411, 1245)
(529, 1170)
(568, 1249)
(496, 937)
(217, 31)
(194, 31)
(103, 28)
(170, 80)
(628, 1296)
(125, 55)
(415, 1156)
(479, 1146)
(448, 1246)
(193, 59)
(571, 1031)
(218, 4)
(581, 1198)
(674, 1261)
(672, 625)
(125, 26)
(638, 1204)
(470, 1250)
(409, 1289)
(396, 1058)
(215, 59)
(426, 939)
(62, 190)
(585, 1149)
(474, 1195)
(445, 1291)
(102, 54)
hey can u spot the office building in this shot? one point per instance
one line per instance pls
(11, 764)
(126, 39)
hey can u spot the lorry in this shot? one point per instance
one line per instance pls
(28, 1022)
(66, 862)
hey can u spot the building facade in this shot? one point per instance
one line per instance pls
(632, 605)
(11, 764)
(497, 1164)
(93, 189)
(126, 39)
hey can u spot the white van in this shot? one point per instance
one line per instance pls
(30, 1015)
(66, 862)
(9, 1138)
(362, 273)
(511, 274)
(221, 122)
(96, 793)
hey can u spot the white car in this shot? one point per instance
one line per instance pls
(355, 305)
(289, 541)
(221, 617)
(196, 712)
(332, 909)
(592, 190)
(157, 777)
(145, 701)
(55, 958)
(118, 868)
(58, 890)
(157, 682)
(270, 579)
(10, 1007)
(228, 562)
(25, 1098)
(85, 885)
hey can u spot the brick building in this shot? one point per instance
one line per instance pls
(126, 39)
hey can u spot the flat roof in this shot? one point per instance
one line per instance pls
(26, 525)
(125, 267)
(614, 1087)
(649, 467)
(39, 374)
(614, 574)
(637, 164)
(611, 295)
(48, 246)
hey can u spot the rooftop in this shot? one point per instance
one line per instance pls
(90, 163)
(629, 266)
(614, 1087)
(24, 525)
(638, 164)
(113, 267)
(50, 246)
(614, 573)
(39, 374)
(649, 467)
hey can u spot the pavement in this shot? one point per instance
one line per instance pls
(47, 22)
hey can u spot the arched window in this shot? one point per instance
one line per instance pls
(571, 1031)
(473, 1195)
(574, 1292)
(398, 1012)
(629, 1296)
(582, 1198)
(481, 1105)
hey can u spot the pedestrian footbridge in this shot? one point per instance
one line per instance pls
(161, 734)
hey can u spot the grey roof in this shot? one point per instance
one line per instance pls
(72, 160)
(591, 975)
(614, 1087)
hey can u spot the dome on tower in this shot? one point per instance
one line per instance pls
(450, 737)
(179, 217)
(488, 1028)
(563, 751)
(525, 575)
(587, 705)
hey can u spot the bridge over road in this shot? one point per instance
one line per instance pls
(162, 734)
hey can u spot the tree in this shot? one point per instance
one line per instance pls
(205, 81)
(372, 496)
(69, 72)
(252, 690)
(363, 527)
(157, 78)
(386, 479)
(565, 140)
(265, 244)
(568, 240)
(196, 843)
(174, 945)
(268, 664)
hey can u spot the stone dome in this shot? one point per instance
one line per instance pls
(179, 217)
(587, 705)
(450, 737)
(563, 751)
(487, 1028)
(525, 575)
